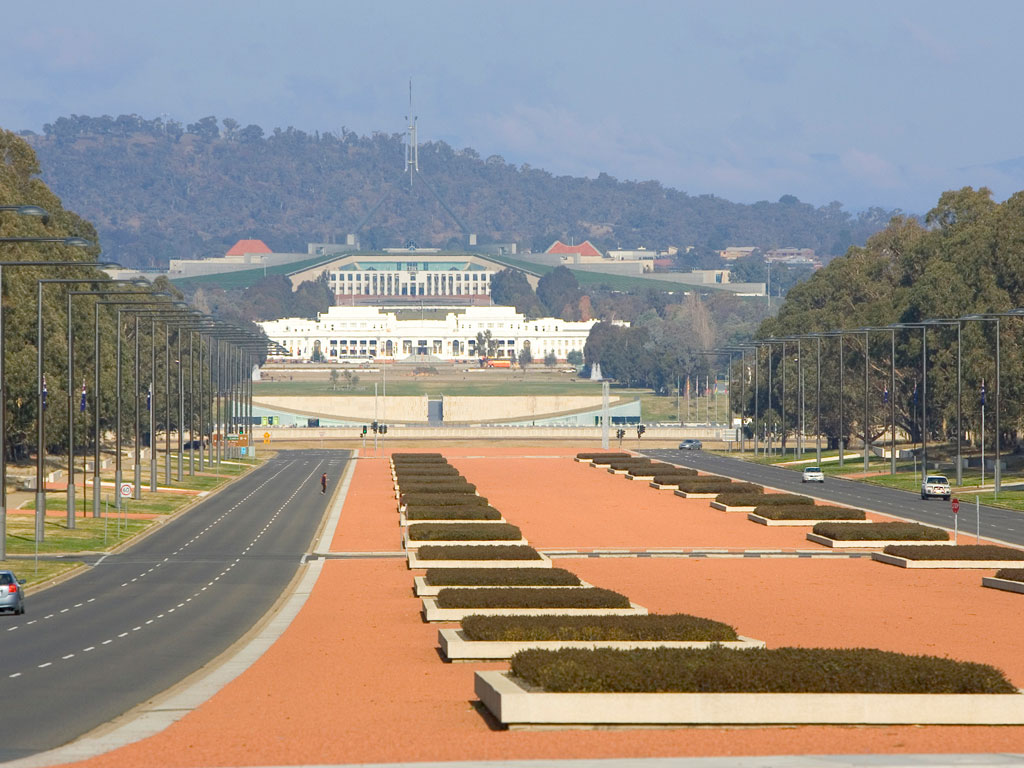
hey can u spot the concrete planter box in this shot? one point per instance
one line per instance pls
(456, 648)
(422, 589)
(416, 562)
(648, 477)
(1007, 585)
(727, 508)
(403, 521)
(413, 545)
(904, 562)
(686, 495)
(809, 523)
(664, 486)
(842, 543)
(432, 613)
(611, 471)
(512, 704)
(582, 461)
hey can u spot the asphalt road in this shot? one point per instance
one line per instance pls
(140, 621)
(1000, 524)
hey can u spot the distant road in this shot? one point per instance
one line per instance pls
(1003, 524)
(140, 621)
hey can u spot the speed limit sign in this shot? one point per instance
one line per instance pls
(126, 490)
(956, 505)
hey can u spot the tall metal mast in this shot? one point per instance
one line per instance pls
(412, 149)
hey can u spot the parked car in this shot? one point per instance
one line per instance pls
(935, 485)
(812, 475)
(691, 445)
(12, 593)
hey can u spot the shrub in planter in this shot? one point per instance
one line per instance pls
(625, 464)
(880, 532)
(777, 670)
(501, 577)
(452, 513)
(783, 500)
(468, 532)
(601, 457)
(961, 552)
(415, 456)
(807, 512)
(700, 485)
(523, 597)
(653, 468)
(413, 500)
(448, 487)
(420, 464)
(678, 627)
(479, 552)
(672, 478)
(740, 495)
(1010, 574)
(440, 471)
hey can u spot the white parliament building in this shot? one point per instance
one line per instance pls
(368, 332)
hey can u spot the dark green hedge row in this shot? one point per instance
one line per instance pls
(783, 500)
(419, 463)
(679, 627)
(653, 468)
(961, 552)
(501, 577)
(601, 458)
(808, 512)
(467, 532)
(742, 494)
(1010, 574)
(778, 670)
(479, 552)
(671, 478)
(700, 485)
(624, 464)
(524, 597)
(440, 471)
(446, 487)
(452, 513)
(880, 532)
(415, 456)
(413, 500)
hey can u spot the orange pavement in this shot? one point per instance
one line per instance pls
(356, 678)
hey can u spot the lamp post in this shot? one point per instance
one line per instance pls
(71, 502)
(997, 470)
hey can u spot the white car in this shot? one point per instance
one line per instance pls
(812, 475)
(935, 485)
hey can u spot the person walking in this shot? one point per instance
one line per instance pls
(323, 483)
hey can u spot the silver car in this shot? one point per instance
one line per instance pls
(812, 475)
(691, 445)
(12, 593)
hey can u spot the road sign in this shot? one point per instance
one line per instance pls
(126, 490)
(956, 505)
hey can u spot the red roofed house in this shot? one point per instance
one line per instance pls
(243, 247)
(583, 249)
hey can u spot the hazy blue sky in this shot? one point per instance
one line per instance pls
(868, 103)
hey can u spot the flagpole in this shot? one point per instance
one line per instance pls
(982, 431)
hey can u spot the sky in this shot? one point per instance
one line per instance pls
(868, 103)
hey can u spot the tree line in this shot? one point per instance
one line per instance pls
(161, 189)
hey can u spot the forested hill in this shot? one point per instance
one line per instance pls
(158, 190)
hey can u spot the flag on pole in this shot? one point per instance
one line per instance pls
(885, 394)
(982, 393)
(44, 392)
(149, 397)
(81, 406)
(915, 393)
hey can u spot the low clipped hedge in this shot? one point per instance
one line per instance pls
(415, 456)
(441, 471)
(501, 577)
(524, 597)
(742, 495)
(784, 500)
(602, 457)
(479, 552)
(702, 485)
(678, 627)
(627, 464)
(1010, 574)
(452, 513)
(808, 512)
(672, 478)
(653, 468)
(959, 552)
(432, 487)
(777, 670)
(413, 500)
(468, 532)
(880, 532)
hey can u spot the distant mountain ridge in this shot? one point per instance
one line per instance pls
(158, 190)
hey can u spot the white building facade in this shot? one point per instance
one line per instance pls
(364, 332)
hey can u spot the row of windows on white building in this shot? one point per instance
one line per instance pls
(373, 283)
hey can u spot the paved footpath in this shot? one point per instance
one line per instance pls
(346, 672)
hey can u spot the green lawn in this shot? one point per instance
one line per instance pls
(38, 571)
